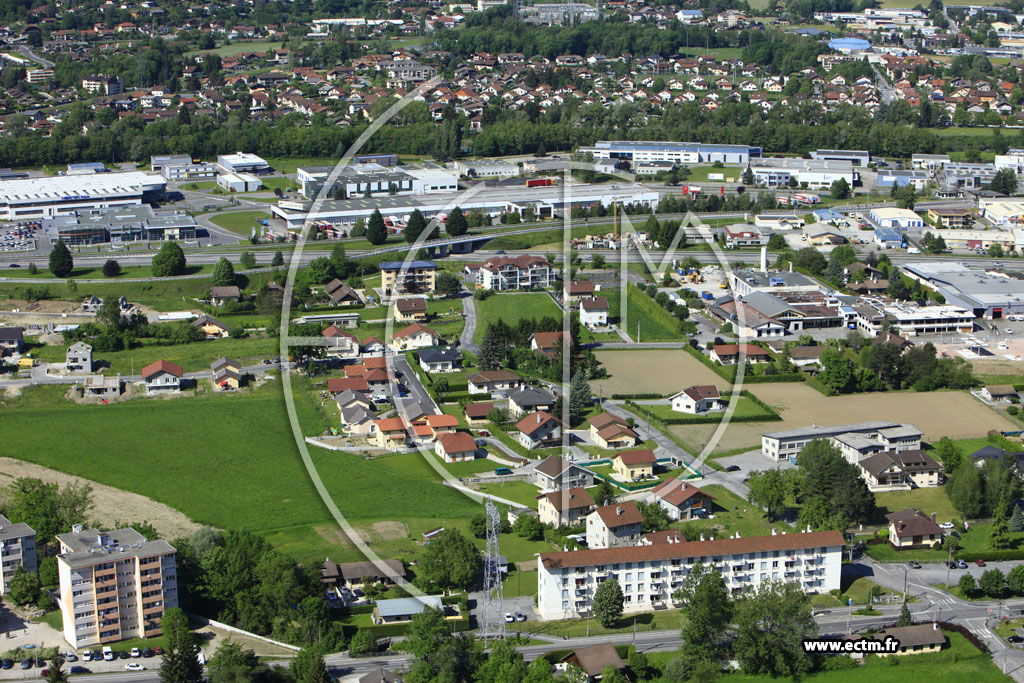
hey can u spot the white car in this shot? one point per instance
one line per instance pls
(135, 653)
(509, 619)
(134, 666)
(946, 525)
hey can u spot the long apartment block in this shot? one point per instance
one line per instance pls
(650, 574)
(114, 585)
(17, 549)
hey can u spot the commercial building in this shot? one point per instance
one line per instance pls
(486, 168)
(1002, 212)
(356, 180)
(915, 179)
(37, 198)
(558, 13)
(812, 173)
(650, 575)
(17, 549)
(181, 167)
(986, 294)
(545, 201)
(892, 217)
(114, 585)
(678, 152)
(242, 162)
(414, 277)
(238, 182)
(857, 157)
(951, 218)
(37, 76)
(910, 320)
(120, 224)
(747, 281)
(962, 175)
(786, 444)
(889, 238)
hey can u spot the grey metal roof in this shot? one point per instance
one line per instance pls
(402, 607)
(827, 431)
(9, 529)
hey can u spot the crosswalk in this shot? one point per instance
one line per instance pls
(943, 601)
(983, 632)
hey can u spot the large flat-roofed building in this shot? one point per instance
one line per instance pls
(114, 585)
(546, 201)
(748, 281)
(1002, 212)
(181, 167)
(816, 173)
(857, 157)
(679, 152)
(786, 444)
(486, 168)
(37, 198)
(17, 549)
(242, 162)
(650, 575)
(120, 224)
(987, 294)
(894, 217)
(356, 180)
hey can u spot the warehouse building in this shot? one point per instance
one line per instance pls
(357, 180)
(988, 294)
(892, 217)
(857, 157)
(242, 162)
(486, 168)
(678, 152)
(181, 167)
(119, 224)
(787, 444)
(651, 575)
(1002, 212)
(545, 201)
(812, 173)
(37, 198)
(238, 182)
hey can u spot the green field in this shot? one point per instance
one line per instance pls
(927, 500)
(643, 317)
(96, 273)
(241, 222)
(191, 357)
(969, 132)
(241, 46)
(510, 308)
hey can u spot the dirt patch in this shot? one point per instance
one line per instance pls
(997, 367)
(332, 533)
(955, 414)
(654, 371)
(110, 505)
(390, 531)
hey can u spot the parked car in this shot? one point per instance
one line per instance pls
(135, 653)
(79, 670)
(1008, 331)
(40, 661)
(158, 651)
(980, 563)
(87, 656)
(961, 564)
(134, 666)
(14, 265)
(946, 525)
(914, 564)
(70, 657)
(509, 618)
(6, 663)
(26, 663)
(147, 652)
(952, 564)
(1016, 640)
(732, 468)
(520, 616)
(484, 432)
(123, 654)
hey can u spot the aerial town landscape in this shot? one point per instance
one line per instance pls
(507, 341)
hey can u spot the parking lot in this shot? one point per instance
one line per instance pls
(19, 237)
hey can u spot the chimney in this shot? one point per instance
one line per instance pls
(773, 531)
(935, 626)
(618, 510)
(737, 534)
(764, 258)
(791, 266)
(702, 537)
(538, 418)
(933, 518)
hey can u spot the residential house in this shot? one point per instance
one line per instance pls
(162, 377)
(338, 385)
(567, 507)
(681, 500)
(12, 339)
(730, 354)
(352, 575)
(226, 373)
(391, 433)
(98, 386)
(456, 447)
(211, 327)
(594, 311)
(612, 431)
(574, 290)
(635, 465)
(614, 526)
(402, 610)
(539, 430)
(439, 425)
(529, 399)
(913, 528)
(415, 336)
(698, 399)
(900, 470)
(78, 357)
(220, 295)
(410, 310)
(358, 420)
(912, 640)
(554, 473)
(341, 294)
(503, 273)
(593, 660)
(341, 343)
(497, 383)
(999, 393)
(547, 343)
(991, 452)
(439, 360)
(476, 413)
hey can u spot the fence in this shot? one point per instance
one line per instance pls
(232, 629)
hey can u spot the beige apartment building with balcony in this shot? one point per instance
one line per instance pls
(114, 585)
(17, 549)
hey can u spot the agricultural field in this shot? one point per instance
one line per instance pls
(512, 307)
(955, 414)
(191, 357)
(633, 372)
(241, 222)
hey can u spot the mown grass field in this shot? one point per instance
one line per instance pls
(241, 222)
(241, 46)
(643, 320)
(191, 357)
(96, 273)
(510, 308)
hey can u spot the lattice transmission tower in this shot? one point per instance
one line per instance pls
(492, 616)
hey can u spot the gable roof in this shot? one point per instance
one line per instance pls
(620, 514)
(700, 392)
(595, 659)
(676, 491)
(439, 355)
(569, 499)
(457, 442)
(476, 411)
(411, 305)
(161, 366)
(733, 349)
(546, 340)
(414, 329)
(493, 376)
(912, 522)
(640, 456)
(534, 421)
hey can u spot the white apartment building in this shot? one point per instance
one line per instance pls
(787, 444)
(114, 585)
(17, 549)
(650, 574)
(513, 272)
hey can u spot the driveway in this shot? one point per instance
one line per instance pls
(753, 461)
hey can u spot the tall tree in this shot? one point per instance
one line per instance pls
(492, 348)
(580, 397)
(415, 227)
(965, 491)
(169, 261)
(180, 663)
(61, 262)
(608, 601)
(771, 624)
(456, 224)
(708, 610)
(55, 672)
(340, 265)
(768, 491)
(604, 493)
(906, 618)
(451, 561)
(446, 284)
(504, 664)
(376, 231)
(833, 483)
(223, 273)
(111, 268)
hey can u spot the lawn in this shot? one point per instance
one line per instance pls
(927, 500)
(968, 132)
(96, 273)
(643, 320)
(228, 50)
(512, 307)
(519, 491)
(699, 174)
(238, 456)
(745, 408)
(629, 372)
(520, 583)
(191, 357)
(670, 619)
(733, 514)
(241, 222)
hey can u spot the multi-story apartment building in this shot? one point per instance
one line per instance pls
(517, 272)
(103, 84)
(17, 549)
(650, 574)
(114, 585)
(415, 277)
(889, 436)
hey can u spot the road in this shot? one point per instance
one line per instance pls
(27, 52)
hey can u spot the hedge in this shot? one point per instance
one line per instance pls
(990, 555)
(971, 638)
(715, 418)
(451, 396)
(770, 379)
(636, 397)
(726, 372)
(359, 609)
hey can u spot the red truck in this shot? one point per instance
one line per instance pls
(540, 182)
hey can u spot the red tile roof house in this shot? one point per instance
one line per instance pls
(162, 376)
(539, 430)
(564, 508)
(679, 499)
(476, 413)
(614, 526)
(729, 354)
(612, 431)
(547, 343)
(456, 447)
(698, 399)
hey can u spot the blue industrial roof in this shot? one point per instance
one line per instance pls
(397, 265)
(849, 44)
(826, 214)
(888, 235)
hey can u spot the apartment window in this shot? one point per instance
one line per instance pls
(775, 575)
(565, 594)
(764, 565)
(764, 576)
(628, 588)
(565, 604)
(639, 588)
(629, 576)
(640, 576)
